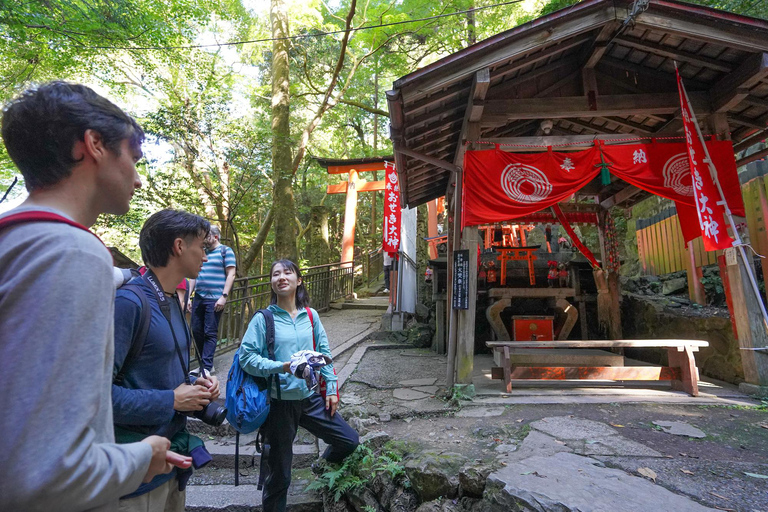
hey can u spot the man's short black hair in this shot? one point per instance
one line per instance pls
(41, 126)
(163, 228)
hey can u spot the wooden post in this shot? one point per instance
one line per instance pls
(465, 347)
(611, 283)
(695, 288)
(749, 324)
(350, 218)
(456, 242)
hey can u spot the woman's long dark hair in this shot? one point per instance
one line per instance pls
(302, 296)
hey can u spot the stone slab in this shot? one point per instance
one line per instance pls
(615, 445)
(565, 481)
(418, 382)
(680, 428)
(565, 427)
(427, 389)
(560, 357)
(408, 394)
(753, 389)
(477, 412)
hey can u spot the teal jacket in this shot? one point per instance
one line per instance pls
(290, 337)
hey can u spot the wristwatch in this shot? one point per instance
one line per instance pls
(225, 295)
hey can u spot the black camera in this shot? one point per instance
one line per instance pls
(212, 414)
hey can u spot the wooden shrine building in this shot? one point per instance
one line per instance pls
(599, 74)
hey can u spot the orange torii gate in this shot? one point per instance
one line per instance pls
(352, 187)
(355, 185)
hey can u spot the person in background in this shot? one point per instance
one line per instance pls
(77, 152)
(211, 291)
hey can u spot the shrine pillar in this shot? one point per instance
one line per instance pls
(350, 219)
(432, 226)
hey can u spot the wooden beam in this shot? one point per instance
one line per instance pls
(672, 53)
(751, 141)
(621, 196)
(474, 111)
(552, 141)
(751, 158)
(746, 121)
(660, 77)
(428, 159)
(525, 42)
(545, 54)
(578, 106)
(590, 126)
(694, 26)
(630, 124)
(592, 54)
(756, 102)
(734, 87)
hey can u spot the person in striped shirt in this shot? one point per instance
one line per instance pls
(211, 291)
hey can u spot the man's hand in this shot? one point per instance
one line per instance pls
(331, 403)
(219, 306)
(163, 460)
(211, 383)
(287, 367)
(188, 398)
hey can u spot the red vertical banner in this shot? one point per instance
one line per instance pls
(391, 234)
(710, 204)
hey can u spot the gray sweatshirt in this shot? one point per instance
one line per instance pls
(56, 353)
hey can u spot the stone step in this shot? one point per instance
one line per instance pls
(560, 357)
(223, 453)
(246, 498)
(376, 304)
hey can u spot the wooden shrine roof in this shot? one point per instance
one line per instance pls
(501, 89)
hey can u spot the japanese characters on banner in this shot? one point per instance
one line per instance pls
(710, 204)
(500, 186)
(391, 233)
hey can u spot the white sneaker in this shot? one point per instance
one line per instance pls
(385, 290)
(195, 372)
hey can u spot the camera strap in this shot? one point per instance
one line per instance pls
(165, 307)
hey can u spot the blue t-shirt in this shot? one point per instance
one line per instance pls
(211, 279)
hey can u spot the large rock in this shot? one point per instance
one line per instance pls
(671, 286)
(440, 505)
(569, 482)
(433, 475)
(363, 500)
(472, 480)
(404, 500)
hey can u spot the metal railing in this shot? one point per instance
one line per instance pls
(373, 267)
(325, 284)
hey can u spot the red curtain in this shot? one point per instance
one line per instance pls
(501, 186)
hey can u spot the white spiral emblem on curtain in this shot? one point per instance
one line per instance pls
(677, 175)
(525, 184)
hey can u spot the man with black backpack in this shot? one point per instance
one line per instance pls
(211, 291)
(152, 391)
(77, 152)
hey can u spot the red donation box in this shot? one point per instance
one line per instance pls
(532, 328)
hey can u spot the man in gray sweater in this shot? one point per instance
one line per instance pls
(77, 153)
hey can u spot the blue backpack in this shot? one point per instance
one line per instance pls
(248, 396)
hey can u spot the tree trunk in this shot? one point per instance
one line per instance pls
(282, 162)
(319, 248)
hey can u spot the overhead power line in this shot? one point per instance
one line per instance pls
(301, 36)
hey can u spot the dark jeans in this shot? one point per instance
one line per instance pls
(205, 328)
(387, 270)
(285, 416)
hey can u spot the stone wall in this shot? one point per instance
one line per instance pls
(645, 317)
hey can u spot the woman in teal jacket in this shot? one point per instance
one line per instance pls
(298, 406)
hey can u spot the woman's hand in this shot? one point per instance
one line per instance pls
(331, 403)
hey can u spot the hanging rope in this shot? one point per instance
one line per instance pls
(575, 239)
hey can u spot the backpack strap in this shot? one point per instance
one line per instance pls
(314, 344)
(269, 331)
(140, 334)
(40, 216)
(223, 251)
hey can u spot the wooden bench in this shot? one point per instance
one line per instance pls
(682, 371)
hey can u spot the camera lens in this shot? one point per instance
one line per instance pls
(212, 414)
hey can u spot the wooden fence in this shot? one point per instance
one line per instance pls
(660, 245)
